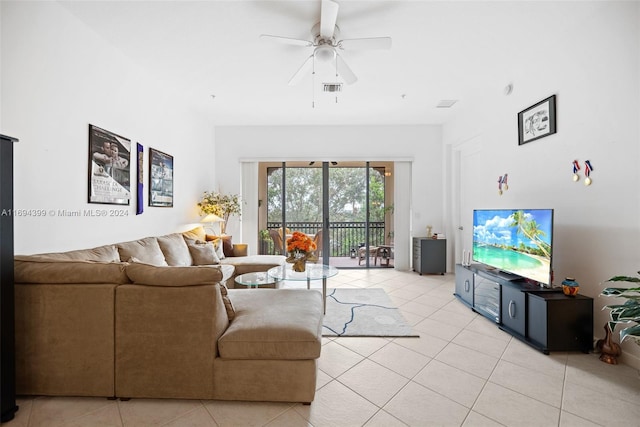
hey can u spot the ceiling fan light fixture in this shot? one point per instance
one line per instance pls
(325, 53)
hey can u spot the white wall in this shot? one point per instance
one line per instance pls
(419, 144)
(594, 70)
(57, 78)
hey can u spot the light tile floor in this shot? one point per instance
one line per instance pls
(462, 371)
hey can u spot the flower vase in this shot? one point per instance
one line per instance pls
(299, 260)
(300, 265)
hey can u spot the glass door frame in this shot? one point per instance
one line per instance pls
(325, 224)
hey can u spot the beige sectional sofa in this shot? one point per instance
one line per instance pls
(137, 320)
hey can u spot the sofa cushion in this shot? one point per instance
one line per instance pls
(30, 269)
(273, 324)
(107, 253)
(202, 253)
(228, 272)
(253, 263)
(147, 250)
(152, 275)
(175, 250)
(228, 306)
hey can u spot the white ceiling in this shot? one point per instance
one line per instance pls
(441, 50)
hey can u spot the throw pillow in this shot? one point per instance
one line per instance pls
(203, 253)
(197, 233)
(146, 250)
(231, 312)
(217, 244)
(227, 245)
(175, 249)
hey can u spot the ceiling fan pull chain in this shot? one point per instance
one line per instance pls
(313, 84)
(336, 77)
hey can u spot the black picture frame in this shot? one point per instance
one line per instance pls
(160, 179)
(537, 121)
(109, 167)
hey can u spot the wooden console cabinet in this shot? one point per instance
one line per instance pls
(546, 319)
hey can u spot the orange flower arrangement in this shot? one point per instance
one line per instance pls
(300, 242)
(300, 248)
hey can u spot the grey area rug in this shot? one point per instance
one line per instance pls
(363, 313)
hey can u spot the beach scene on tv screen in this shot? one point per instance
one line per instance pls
(516, 241)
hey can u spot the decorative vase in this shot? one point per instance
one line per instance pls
(300, 265)
(299, 260)
(570, 287)
(609, 349)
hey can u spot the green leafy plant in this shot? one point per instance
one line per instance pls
(223, 205)
(627, 313)
(264, 234)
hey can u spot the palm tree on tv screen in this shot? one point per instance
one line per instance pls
(530, 229)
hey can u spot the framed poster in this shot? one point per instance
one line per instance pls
(537, 121)
(109, 167)
(161, 179)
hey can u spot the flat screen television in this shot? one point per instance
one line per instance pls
(516, 241)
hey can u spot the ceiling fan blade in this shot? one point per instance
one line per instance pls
(295, 79)
(287, 40)
(366, 43)
(328, 17)
(344, 71)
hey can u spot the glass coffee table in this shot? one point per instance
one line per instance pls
(255, 280)
(312, 272)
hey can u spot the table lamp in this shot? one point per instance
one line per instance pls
(210, 219)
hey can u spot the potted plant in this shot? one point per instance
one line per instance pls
(265, 241)
(627, 314)
(220, 204)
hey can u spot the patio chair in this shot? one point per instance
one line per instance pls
(317, 239)
(277, 241)
(373, 253)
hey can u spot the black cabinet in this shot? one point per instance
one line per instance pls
(464, 285)
(512, 309)
(546, 319)
(429, 255)
(7, 310)
(560, 323)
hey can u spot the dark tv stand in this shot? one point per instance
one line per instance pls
(504, 275)
(546, 319)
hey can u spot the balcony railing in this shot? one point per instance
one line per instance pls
(343, 236)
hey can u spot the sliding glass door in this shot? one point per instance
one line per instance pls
(344, 206)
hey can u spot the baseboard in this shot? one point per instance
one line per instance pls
(630, 360)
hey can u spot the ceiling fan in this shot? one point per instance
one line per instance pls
(326, 44)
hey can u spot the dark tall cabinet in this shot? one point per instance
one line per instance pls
(7, 319)
(429, 255)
